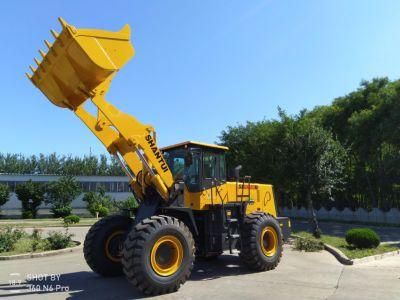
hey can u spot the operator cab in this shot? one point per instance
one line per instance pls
(200, 166)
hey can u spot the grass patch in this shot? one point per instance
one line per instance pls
(349, 251)
(16, 241)
(308, 244)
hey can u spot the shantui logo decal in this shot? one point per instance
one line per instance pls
(157, 153)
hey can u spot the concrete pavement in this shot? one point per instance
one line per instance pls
(299, 276)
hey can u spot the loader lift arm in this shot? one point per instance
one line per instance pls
(79, 66)
(124, 136)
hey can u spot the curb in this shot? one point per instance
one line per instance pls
(343, 259)
(376, 257)
(79, 246)
(37, 226)
(340, 256)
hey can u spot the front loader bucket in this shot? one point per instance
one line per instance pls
(78, 61)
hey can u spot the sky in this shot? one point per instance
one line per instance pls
(199, 66)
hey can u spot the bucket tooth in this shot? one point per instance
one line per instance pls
(126, 29)
(54, 33)
(28, 75)
(47, 44)
(32, 69)
(42, 54)
(62, 22)
(37, 61)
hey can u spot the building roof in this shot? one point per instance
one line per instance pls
(196, 144)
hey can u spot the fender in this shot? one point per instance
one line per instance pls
(182, 213)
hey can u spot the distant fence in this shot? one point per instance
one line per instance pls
(360, 215)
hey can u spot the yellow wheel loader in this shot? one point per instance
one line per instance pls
(187, 206)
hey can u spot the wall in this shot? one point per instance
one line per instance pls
(360, 215)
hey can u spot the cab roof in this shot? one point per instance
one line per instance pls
(193, 143)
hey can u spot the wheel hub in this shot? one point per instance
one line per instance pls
(166, 255)
(269, 241)
(113, 246)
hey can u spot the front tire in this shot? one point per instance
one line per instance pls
(261, 242)
(158, 255)
(103, 245)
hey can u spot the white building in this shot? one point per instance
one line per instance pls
(116, 186)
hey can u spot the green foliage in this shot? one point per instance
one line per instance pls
(36, 239)
(126, 206)
(350, 251)
(59, 164)
(295, 154)
(362, 238)
(31, 195)
(8, 237)
(59, 240)
(4, 194)
(15, 241)
(308, 244)
(27, 214)
(98, 203)
(22, 245)
(60, 195)
(346, 153)
(366, 122)
(71, 219)
(103, 211)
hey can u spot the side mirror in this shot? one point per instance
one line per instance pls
(237, 171)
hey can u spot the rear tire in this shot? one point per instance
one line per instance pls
(158, 255)
(261, 242)
(103, 245)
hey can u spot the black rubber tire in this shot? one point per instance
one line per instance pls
(95, 241)
(251, 253)
(137, 249)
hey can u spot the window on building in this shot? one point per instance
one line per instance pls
(12, 185)
(120, 188)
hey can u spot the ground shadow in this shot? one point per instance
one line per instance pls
(223, 266)
(88, 285)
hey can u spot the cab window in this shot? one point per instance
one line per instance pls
(209, 165)
(192, 171)
(176, 162)
(213, 169)
(222, 167)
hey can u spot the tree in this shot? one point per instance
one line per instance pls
(314, 161)
(4, 194)
(60, 195)
(296, 154)
(98, 203)
(59, 164)
(366, 122)
(31, 195)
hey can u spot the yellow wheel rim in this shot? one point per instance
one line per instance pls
(269, 241)
(113, 246)
(166, 255)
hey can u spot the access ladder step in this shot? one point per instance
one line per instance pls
(233, 236)
(232, 220)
